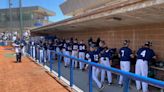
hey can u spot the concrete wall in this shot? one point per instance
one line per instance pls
(114, 38)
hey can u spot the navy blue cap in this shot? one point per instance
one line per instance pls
(148, 43)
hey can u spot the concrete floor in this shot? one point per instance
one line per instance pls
(81, 81)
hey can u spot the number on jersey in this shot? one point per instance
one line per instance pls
(143, 53)
(96, 58)
(122, 52)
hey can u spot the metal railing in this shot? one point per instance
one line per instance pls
(126, 75)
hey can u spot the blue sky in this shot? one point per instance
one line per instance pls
(52, 5)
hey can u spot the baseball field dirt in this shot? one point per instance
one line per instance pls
(26, 76)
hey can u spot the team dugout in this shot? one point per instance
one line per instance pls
(138, 22)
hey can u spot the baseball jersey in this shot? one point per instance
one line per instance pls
(75, 46)
(32, 43)
(100, 49)
(145, 54)
(17, 45)
(69, 47)
(45, 46)
(82, 48)
(125, 53)
(64, 45)
(106, 54)
(51, 46)
(59, 45)
(23, 42)
(94, 56)
(40, 45)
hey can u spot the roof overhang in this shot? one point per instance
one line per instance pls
(142, 13)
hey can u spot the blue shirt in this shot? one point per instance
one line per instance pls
(45, 46)
(51, 46)
(24, 42)
(125, 53)
(59, 45)
(75, 46)
(64, 45)
(17, 42)
(82, 48)
(100, 49)
(94, 56)
(69, 47)
(145, 54)
(106, 54)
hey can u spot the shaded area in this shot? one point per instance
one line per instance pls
(81, 80)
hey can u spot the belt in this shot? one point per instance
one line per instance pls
(144, 59)
(125, 61)
(104, 58)
(82, 51)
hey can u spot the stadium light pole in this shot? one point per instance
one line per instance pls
(21, 18)
(10, 16)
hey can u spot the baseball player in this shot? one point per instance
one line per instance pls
(51, 48)
(125, 54)
(57, 45)
(38, 50)
(18, 49)
(67, 52)
(144, 55)
(45, 46)
(106, 61)
(82, 50)
(94, 57)
(41, 48)
(75, 52)
(32, 48)
(48, 49)
(24, 46)
(99, 50)
(64, 46)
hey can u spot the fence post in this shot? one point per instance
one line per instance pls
(36, 53)
(51, 61)
(90, 78)
(31, 51)
(71, 73)
(43, 57)
(39, 55)
(59, 64)
(126, 84)
(27, 50)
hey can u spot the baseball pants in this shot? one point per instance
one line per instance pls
(48, 54)
(141, 68)
(33, 49)
(125, 66)
(66, 59)
(41, 56)
(94, 76)
(105, 62)
(18, 57)
(81, 56)
(75, 54)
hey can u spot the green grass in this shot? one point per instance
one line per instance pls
(9, 55)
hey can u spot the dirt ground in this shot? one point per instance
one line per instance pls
(25, 76)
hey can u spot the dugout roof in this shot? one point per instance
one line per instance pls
(143, 12)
